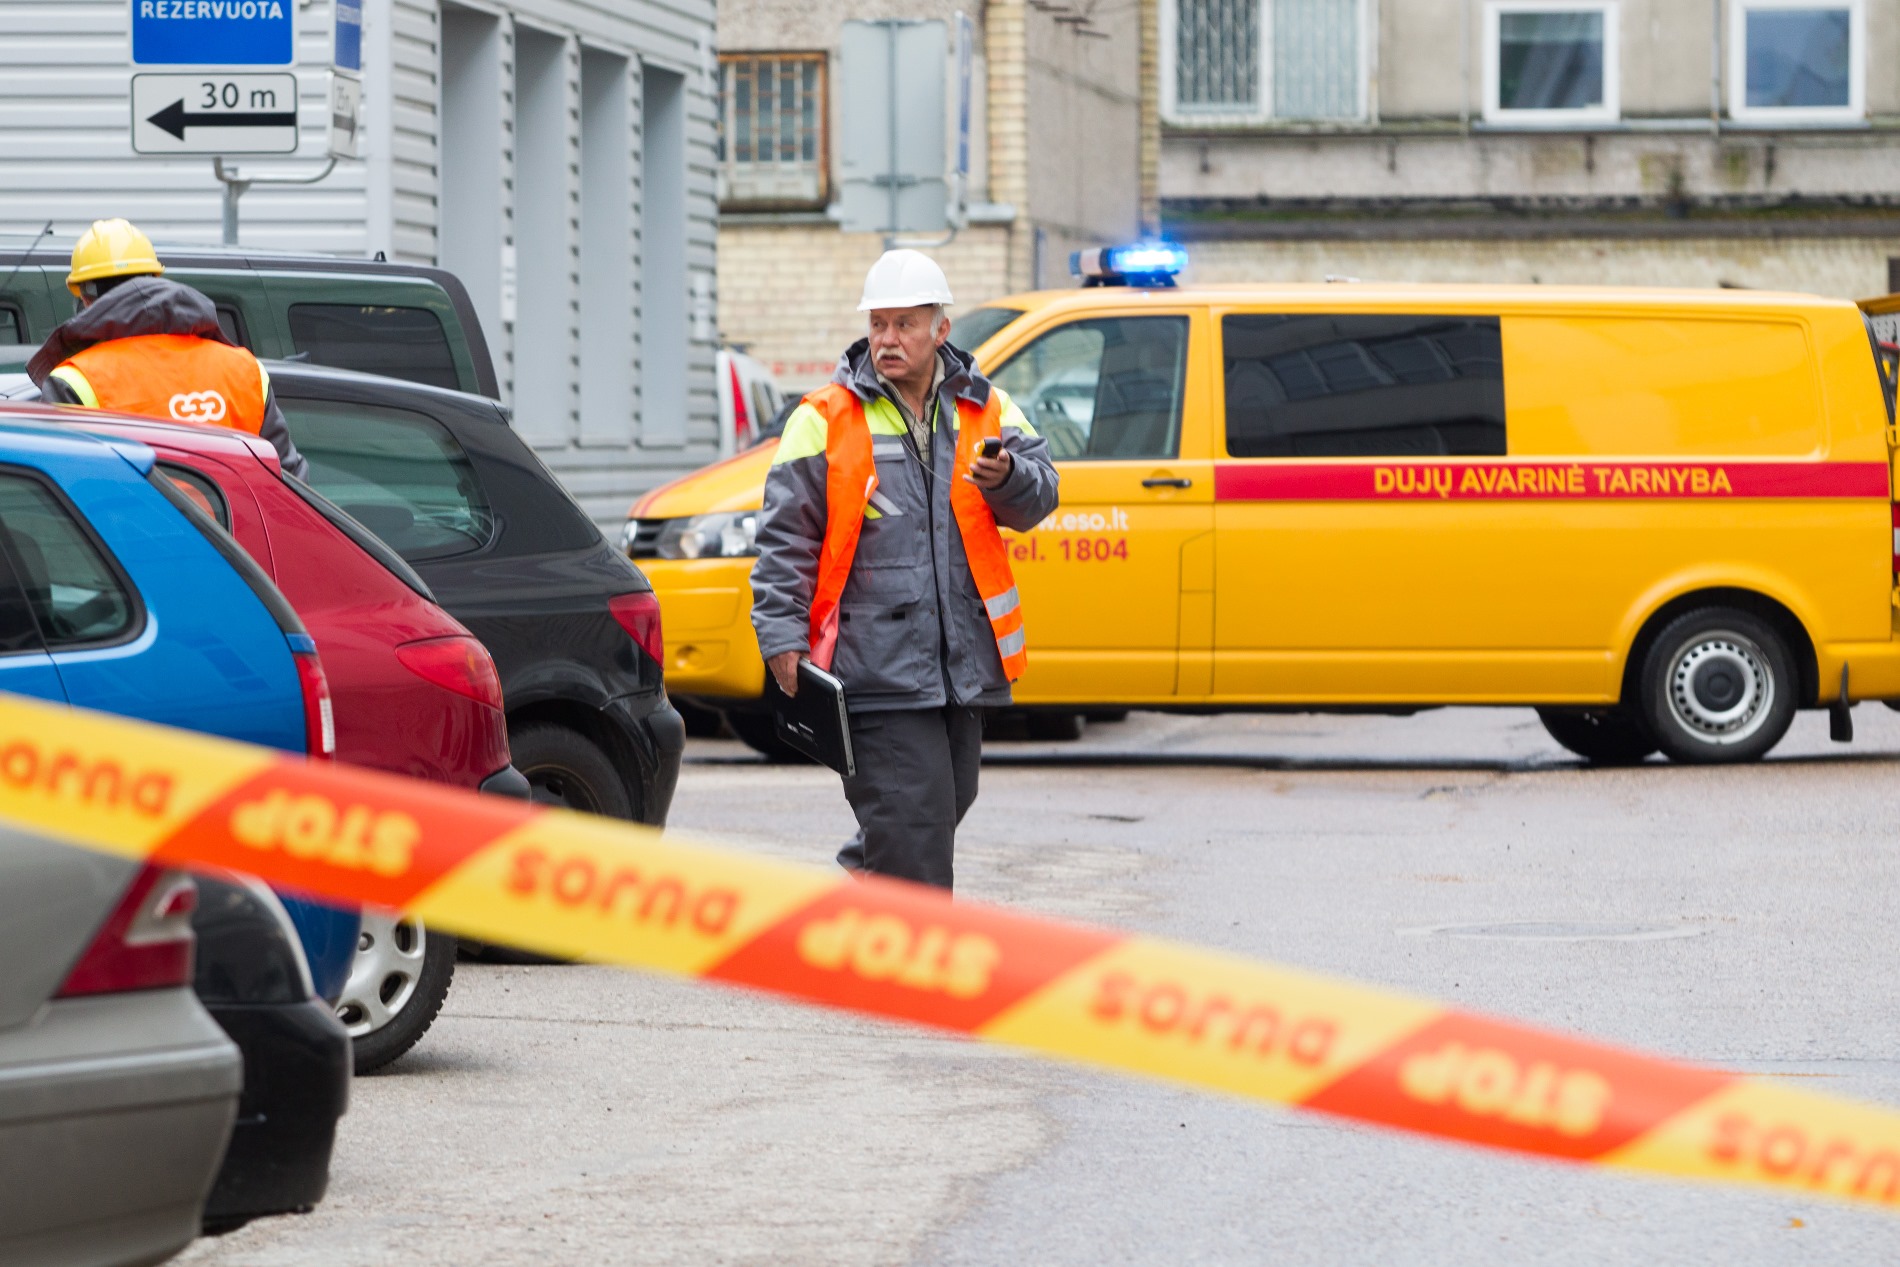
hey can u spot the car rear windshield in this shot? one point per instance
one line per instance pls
(397, 472)
(261, 585)
(371, 544)
(406, 343)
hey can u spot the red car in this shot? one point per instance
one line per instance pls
(414, 692)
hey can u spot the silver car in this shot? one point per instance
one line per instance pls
(117, 1090)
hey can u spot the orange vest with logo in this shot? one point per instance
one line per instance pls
(850, 481)
(176, 377)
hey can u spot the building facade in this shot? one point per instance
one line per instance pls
(1694, 142)
(557, 156)
(1055, 165)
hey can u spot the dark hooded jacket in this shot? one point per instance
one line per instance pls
(147, 305)
(912, 630)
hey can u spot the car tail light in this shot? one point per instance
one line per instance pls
(639, 615)
(457, 664)
(145, 944)
(741, 421)
(319, 718)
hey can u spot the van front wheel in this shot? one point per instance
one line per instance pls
(1601, 736)
(1718, 686)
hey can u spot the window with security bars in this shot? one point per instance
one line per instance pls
(1267, 60)
(772, 129)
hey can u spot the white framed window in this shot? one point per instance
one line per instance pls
(1551, 63)
(772, 129)
(1263, 61)
(1797, 61)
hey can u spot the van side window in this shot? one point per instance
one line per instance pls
(76, 595)
(398, 473)
(1363, 385)
(1107, 388)
(405, 343)
(231, 321)
(12, 324)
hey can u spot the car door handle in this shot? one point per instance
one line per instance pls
(1165, 481)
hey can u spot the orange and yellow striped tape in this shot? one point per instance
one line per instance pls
(584, 887)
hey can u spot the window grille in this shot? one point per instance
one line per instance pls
(772, 129)
(1296, 60)
(1217, 56)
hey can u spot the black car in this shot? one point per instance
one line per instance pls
(251, 975)
(572, 625)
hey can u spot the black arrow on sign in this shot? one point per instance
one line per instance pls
(174, 120)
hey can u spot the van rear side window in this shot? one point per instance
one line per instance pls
(1583, 384)
(1362, 385)
(405, 343)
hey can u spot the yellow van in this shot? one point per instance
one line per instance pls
(1663, 518)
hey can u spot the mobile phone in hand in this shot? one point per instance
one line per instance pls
(992, 446)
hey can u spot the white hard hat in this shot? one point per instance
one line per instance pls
(904, 279)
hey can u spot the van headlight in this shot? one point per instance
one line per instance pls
(727, 536)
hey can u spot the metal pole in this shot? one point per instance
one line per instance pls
(890, 68)
(232, 190)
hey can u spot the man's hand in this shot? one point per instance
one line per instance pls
(989, 473)
(784, 668)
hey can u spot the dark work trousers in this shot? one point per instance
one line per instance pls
(916, 779)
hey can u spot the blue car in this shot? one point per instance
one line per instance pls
(116, 596)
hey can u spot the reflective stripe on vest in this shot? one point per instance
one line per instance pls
(850, 481)
(176, 377)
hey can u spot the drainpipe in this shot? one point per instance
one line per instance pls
(1715, 67)
(1464, 74)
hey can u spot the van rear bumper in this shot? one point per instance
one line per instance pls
(706, 610)
(1873, 670)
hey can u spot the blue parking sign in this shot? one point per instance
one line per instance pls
(349, 35)
(214, 32)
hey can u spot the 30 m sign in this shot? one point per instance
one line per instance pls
(214, 114)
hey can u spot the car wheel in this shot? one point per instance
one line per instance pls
(397, 984)
(1601, 736)
(566, 768)
(1106, 714)
(1060, 727)
(1718, 686)
(760, 736)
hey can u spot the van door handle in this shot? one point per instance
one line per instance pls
(1163, 481)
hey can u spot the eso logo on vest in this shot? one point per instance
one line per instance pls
(207, 406)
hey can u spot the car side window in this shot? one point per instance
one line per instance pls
(1106, 388)
(76, 596)
(202, 493)
(231, 321)
(1363, 385)
(406, 343)
(397, 472)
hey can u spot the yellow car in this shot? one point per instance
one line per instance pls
(1664, 518)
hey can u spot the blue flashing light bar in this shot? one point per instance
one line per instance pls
(1137, 264)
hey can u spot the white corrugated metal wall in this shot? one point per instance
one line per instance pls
(65, 156)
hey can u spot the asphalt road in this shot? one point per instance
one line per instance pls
(1743, 918)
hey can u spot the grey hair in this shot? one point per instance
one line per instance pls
(939, 318)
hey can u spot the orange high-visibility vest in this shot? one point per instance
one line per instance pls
(850, 481)
(176, 377)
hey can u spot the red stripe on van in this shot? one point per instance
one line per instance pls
(1543, 481)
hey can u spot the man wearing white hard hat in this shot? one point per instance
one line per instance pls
(880, 559)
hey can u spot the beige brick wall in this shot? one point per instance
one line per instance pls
(1847, 268)
(789, 293)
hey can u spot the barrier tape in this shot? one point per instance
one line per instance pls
(578, 886)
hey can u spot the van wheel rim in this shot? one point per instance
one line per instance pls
(384, 974)
(1721, 689)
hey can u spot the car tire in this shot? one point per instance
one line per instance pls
(1717, 686)
(566, 768)
(757, 731)
(1057, 727)
(1601, 736)
(1107, 714)
(397, 985)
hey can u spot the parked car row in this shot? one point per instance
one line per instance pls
(431, 602)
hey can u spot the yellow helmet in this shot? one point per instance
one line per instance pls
(111, 248)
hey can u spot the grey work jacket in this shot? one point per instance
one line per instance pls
(912, 629)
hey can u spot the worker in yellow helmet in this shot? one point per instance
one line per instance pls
(141, 344)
